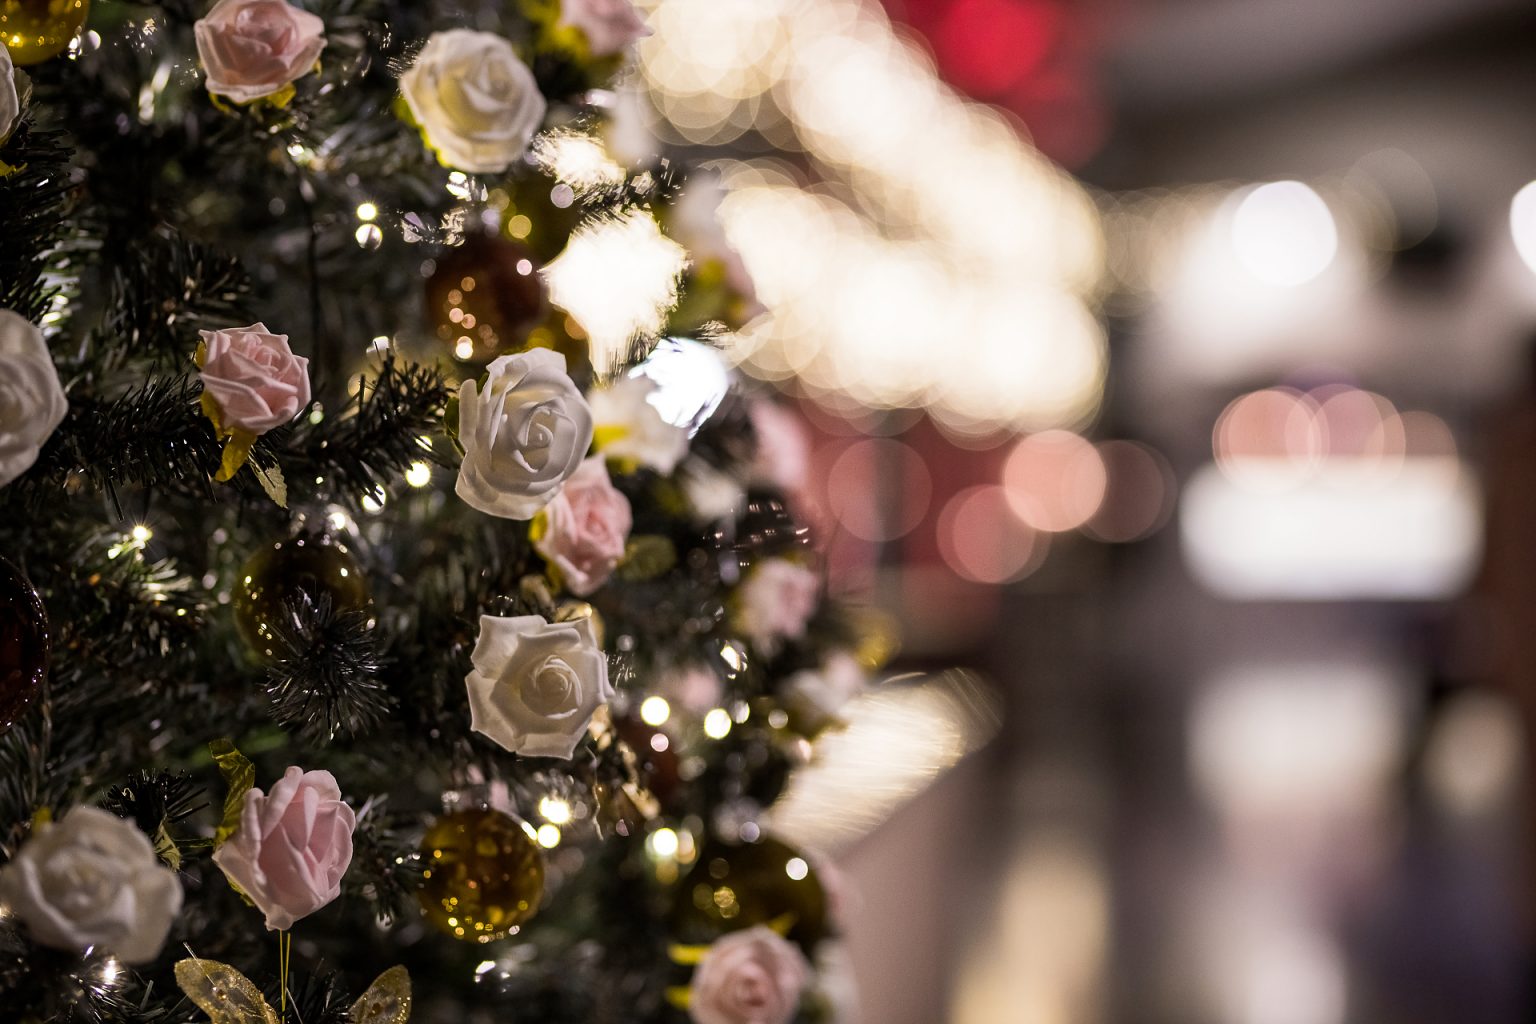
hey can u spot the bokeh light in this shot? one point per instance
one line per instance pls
(618, 278)
(1139, 495)
(1055, 481)
(940, 222)
(1284, 233)
(1522, 224)
(879, 489)
(982, 541)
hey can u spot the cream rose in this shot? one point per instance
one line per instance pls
(478, 105)
(10, 96)
(32, 403)
(749, 977)
(629, 427)
(609, 25)
(251, 49)
(254, 377)
(775, 602)
(524, 432)
(292, 846)
(818, 695)
(536, 684)
(586, 528)
(93, 879)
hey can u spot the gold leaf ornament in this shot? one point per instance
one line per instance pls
(387, 1001)
(228, 997)
(223, 993)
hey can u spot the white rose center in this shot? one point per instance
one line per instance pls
(552, 689)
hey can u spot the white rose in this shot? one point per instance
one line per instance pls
(711, 493)
(609, 25)
(93, 880)
(478, 105)
(819, 694)
(536, 684)
(32, 403)
(10, 98)
(523, 434)
(630, 427)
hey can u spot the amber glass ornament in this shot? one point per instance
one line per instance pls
(483, 874)
(34, 30)
(24, 645)
(740, 885)
(314, 564)
(656, 759)
(485, 296)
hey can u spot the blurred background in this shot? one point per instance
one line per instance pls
(1167, 373)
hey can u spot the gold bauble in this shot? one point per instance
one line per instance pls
(733, 886)
(315, 564)
(34, 30)
(483, 875)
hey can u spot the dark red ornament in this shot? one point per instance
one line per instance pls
(24, 645)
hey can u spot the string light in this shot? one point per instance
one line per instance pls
(654, 711)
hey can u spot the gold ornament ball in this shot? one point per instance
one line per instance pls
(733, 886)
(483, 875)
(34, 30)
(314, 564)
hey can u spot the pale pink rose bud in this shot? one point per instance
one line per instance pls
(775, 602)
(586, 528)
(749, 977)
(783, 446)
(292, 847)
(609, 25)
(694, 688)
(255, 377)
(254, 48)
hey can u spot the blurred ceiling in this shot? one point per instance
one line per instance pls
(1178, 52)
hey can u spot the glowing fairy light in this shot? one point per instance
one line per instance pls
(419, 474)
(663, 843)
(555, 810)
(549, 836)
(717, 724)
(654, 711)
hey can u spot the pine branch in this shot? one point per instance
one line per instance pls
(365, 451)
(163, 292)
(33, 202)
(155, 435)
(326, 677)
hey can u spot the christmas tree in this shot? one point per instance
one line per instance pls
(380, 639)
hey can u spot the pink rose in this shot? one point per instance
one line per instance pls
(254, 48)
(694, 688)
(775, 602)
(783, 446)
(292, 847)
(586, 528)
(609, 25)
(255, 377)
(749, 977)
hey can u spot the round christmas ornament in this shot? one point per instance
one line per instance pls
(485, 296)
(34, 30)
(24, 645)
(734, 886)
(483, 874)
(312, 564)
(656, 758)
